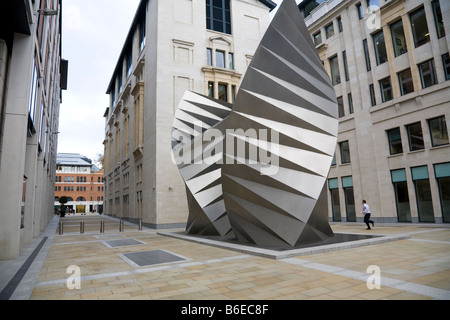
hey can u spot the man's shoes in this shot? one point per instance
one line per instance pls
(368, 229)
(373, 224)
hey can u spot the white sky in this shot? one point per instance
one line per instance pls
(93, 34)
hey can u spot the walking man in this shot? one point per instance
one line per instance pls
(366, 212)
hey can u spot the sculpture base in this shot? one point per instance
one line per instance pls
(340, 241)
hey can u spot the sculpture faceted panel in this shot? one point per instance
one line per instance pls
(273, 147)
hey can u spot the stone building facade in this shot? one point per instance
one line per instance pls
(172, 46)
(390, 66)
(32, 75)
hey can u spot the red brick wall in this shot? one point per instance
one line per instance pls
(92, 185)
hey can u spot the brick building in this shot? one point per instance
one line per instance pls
(79, 180)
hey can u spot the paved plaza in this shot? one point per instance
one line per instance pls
(132, 264)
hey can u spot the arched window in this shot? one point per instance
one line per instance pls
(81, 199)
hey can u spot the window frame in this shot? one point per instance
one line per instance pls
(385, 90)
(440, 30)
(432, 73)
(444, 127)
(419, 42)
(411, 145)
(317, 38)
(367, 55)
(329, 30)
(392, 27)
(379, 46)
(344, 59)
(446, 66)
(393, 142)
(373, 99)
(345, 160)
(225, 21)
(335, 81)
(359, 11)
(402, 82)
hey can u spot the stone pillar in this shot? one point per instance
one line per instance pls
(12, 162)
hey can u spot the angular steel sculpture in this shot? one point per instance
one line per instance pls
(286, 110)
(199, 166)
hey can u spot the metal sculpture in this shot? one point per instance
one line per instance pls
(279, 141)
(199, 165)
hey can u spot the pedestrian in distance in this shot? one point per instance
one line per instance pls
(366, 212)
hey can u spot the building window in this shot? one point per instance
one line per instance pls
(113, 96)
(360, 11)
(142, 35)
(373, 100)
(220, 59)
(317, 38)
(347, 185)
(380, 47)
(401, 195)
(344, 59)
(438, 18)
(307, 6)
(209, 56)
(446, 62)
(329, 30)
(427, 74)
(345, 152)
(211, 89)
(230, 61)
(419, 27)
(129, 62)
(415, 136)
(442, 173)
(398, 38)
(438, 131)
(395, 141)
(33, 99)
(339, 21)
(350, 103)
(405, 81)
(423, 193)
(334, 68)
(340, 102)
(366, 55)
(119, 81)
(335, 203)
(223, 92)
(218, 15)
(386, 89)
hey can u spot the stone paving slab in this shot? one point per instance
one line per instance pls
(414, 266)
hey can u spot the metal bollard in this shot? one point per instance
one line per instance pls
(140, 224)
(121, 226)
(102, 226)
(81, 227)
(60, 228)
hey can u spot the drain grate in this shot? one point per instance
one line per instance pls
(121, 243)
(152, 257)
